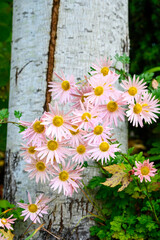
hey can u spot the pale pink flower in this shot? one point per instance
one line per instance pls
(53, 150)
(110, 79)
(144, 109)
(102, 66)
(76, 137)
(113, 110)
(57, 123)
(35, 133)
(66, 178)
(133, 88)
(86, 116)
(79, 95)
(98, 133)
(38, 169)
(34, 210)
(100, 90)
(103, 151)
(144, 170)
(29, 152)
(63, 89)
(151, 106)
(80, 153)
(6, 222)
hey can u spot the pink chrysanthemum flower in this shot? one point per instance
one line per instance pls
(79, 95)
(57, 123)
(102, 66)
(144, 108)
(29, 152)
(133, 88)
(80, 153)
(100, 90)
(6, 222)
(113, 110)
(76, 137)
(52, 150)
(63, 89)
(35, 133)
(86, 117)
(34, 210)
(99, 133)
(103, 151)
(144, 170)
(66, 178)
(152, 106)
(38, 169)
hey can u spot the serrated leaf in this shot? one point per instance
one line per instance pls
(3, 114)
(119, 176)
(17, 114)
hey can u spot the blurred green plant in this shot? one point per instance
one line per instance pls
(144, 32)
(5, 55)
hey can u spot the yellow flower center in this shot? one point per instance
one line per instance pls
(38, 127)
(32, 208)
(76, 132)
(132, 91)
(31, 150)
(58, 121)
(63, 176)
(105, 71)
(40, 166)
(52, 145)
(98, 91)
(112, 106)
(4, 221)
(81, 149)
(104, 146)
(137, 108)
(86, 114)
(65, 85)
(145, 170)
(98, 130)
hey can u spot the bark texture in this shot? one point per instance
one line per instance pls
(53, 35)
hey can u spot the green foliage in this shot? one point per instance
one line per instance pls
(144, 34)
(6, 209)
(123, 58)
(3, 115)
(5, 55)
(17, 114)
(128, 214)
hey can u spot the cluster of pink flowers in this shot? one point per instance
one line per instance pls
(85, 131)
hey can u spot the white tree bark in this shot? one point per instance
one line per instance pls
(86, 31)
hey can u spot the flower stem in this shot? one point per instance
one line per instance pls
(153, 209)
(93, 203)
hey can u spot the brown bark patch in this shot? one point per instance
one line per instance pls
(51, 51)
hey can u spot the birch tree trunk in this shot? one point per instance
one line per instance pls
(53, 35)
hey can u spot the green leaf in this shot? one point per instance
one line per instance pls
(17, 114)
(152, 70)
(21, 128)
(123, 59)
(4, 204)
(3, 114)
